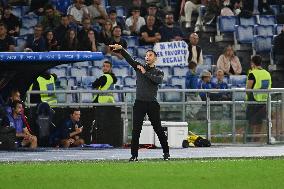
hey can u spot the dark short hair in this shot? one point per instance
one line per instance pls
(112, 10)
(257, 60)
(108, 62)
(72, 110)
(150, 50)
(191, 64)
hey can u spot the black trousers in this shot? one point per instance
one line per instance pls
(152, 109)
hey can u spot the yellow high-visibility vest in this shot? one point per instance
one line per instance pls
(105, 97)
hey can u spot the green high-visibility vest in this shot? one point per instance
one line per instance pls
(262, 81)
(105, 97)
(47, 85)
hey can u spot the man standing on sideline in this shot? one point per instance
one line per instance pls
(105, 82)
(148, 79)
(258, 78)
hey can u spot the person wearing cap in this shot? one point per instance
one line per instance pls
(205, 83)
(135, 21)
(148, 79)
(258, 78)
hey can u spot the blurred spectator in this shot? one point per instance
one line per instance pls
(51, 18)
(229, 62)
(78, 10)
(152, 10)
(264, 7)
(97, 12)
(36, 6)
(11, 21)
(169, 32)
(205, 83)
(195, 51)
(70, 42)
(71, 129)
(51, 42)
(213, 10)
(221, 84)
(149, 33)
(83, 33)
(7, 43)
(189, 7)
(105, 34)
(36, 41)
(61, 30)
(135, 21)
(89, 43)
(191, 82)
(278, 48)
(116, 39)
(138, 4)
(44, 82)
(118, 22)
(14, 119)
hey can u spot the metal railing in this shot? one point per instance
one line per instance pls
(124, 104)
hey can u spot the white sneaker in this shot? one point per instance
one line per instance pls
(187, 25)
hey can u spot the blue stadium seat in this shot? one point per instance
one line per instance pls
(264, 30)
(121, 11)
(86, 97)
(248, 21)
(172, 96)
(17, 11)
(63, 82)
(72, 81)
(85, 63)
(119, 80)
(29, 21)
(179, 70)
(61, 5)
(208, 60)
(275, 8)
(244, 34)
(87, 81)
(122, 71)
(141, 51)
(118, 62)
(96, 71)
(237, 80)
(262, 44)
(278, 28)
(131, 51)
(226, 23)
(20, 43)
(267, 20)
(79, 72)
(26, 31)
(201, 68)
(132, 41)
(129, 81)
(178, 80)
(60, 72)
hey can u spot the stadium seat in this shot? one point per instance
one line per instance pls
(60, 72)
(122, 71)
(244, 34)
(118, 62)
(96, 71)
(178, 81)
(79, 71)
(121, 11)
(275, 8)
(262, 44)
(20, 43)
(85, 63)
(131, 51)
(226, 23)
(264, 30)
(129, 81)
(86, 97)
(201, 68)
(63, 82)
(17, 11)
(87, 81)
(179, 70)
(119, 80)
(267, 20)
(72, 81)
(248, 21)
(132, 41)
(208, 60)
(172, 96)
(26, 31)
(29, 21)
(237, 81)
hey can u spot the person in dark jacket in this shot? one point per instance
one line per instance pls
(148, 79)
(278, 48)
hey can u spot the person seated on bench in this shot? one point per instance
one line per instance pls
(70, 130)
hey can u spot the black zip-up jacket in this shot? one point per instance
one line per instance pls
(147, 83)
